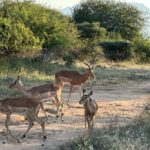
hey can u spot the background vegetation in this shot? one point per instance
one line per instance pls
(135, 136)
(36, 41)
(98, 30)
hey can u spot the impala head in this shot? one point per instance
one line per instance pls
(85, 96)
(16, 83)
(90, 70)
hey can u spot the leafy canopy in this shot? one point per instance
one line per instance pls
(37, 26)
(114, 16)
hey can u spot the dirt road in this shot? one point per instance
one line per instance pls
(118, 103)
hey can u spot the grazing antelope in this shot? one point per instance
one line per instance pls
(18, 105)
(74, 78)
(90, 109)
(41, 93)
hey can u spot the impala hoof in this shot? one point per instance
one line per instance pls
(18, 141)
(44, 138)
(54, 121)
(23, 136)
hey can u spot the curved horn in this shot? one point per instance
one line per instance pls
(87, 65)
(93, 66)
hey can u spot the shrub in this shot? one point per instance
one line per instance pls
(134, 136)
(69, 59)
(30, 25)
(141, 50)
(16, 38)
(115, 16)
(116, 50)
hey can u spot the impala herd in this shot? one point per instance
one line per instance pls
(32, 100)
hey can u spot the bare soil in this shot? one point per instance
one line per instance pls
(119, 103)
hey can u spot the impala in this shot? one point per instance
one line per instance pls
(74, 78)
(25, 105)
(90, 109)
(41, 93)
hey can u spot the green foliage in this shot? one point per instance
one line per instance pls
(50, 27)
(92, 33)
(92, 54)
(114, 36)
(16, 38)
(134, 136)
(114, 16)
(141, 50)
(91, 30)
(116, 50)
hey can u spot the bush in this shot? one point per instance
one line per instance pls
(116, 50)
(91, 30)
(69, 59)
(114, 16)
(141, 50)
(29, 25)
(134, 136)
(16, 38)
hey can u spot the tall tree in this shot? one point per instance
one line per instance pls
(114, 16)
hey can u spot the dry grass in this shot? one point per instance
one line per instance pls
(118, 88)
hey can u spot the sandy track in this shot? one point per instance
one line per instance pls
(117, 103)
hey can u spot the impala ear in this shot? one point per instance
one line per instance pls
(84, 91)
(91, 93)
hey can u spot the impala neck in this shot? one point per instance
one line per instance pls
(58, 86)
(23, 90)
(85, 76)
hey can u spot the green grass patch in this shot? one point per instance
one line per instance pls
(135, 136)
(122, 74)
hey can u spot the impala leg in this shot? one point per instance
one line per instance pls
(79, 87)
(42, 125)
(71, 87)
(60, 108)
(90, 125)
(37, 110)
(29, 126)
(86, 120)
(42, 107)
(57, 106)
(30, 118)
(93, 121)
(7, 126)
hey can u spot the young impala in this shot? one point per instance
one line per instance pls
(18, 105)
(90, 109)
(74, 78)
(41, 93)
